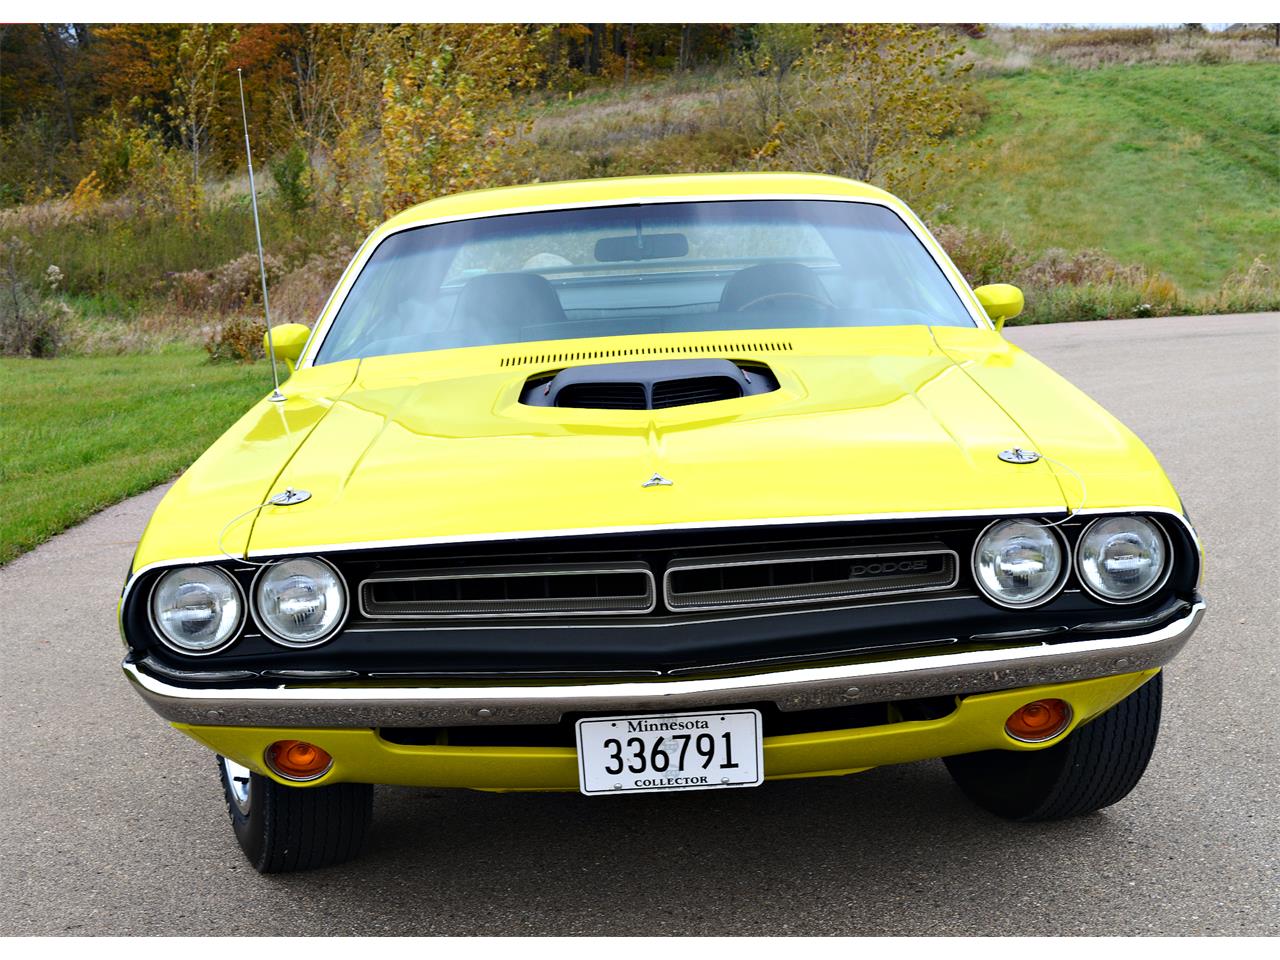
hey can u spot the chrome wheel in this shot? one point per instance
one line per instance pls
(237, 783)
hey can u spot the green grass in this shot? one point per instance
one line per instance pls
(1173, 167)
(81, 433)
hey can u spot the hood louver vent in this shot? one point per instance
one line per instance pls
(647, 384)
(684, 349)
(682, 393)
(603, 396)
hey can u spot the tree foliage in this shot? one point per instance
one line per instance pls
(875, 104)
(199, 79)
(383, 116)
(768, 61)
(447, 107)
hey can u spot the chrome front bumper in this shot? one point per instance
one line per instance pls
(798, 689)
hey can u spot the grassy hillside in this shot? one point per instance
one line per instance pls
(80, 433)
(1173, 167)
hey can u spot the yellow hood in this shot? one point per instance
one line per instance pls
(866, 421)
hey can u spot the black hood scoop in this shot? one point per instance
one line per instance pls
(648, 384)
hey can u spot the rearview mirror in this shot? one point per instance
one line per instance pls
(652, 246)
(1002, 301)
(288, 340)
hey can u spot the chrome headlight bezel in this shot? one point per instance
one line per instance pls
(1156, 585)
(274, 635)
(1054, 590)
(232, 635)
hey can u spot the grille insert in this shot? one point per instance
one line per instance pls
(683, 393)
(532, 591)
(766, 580)
(603, 396)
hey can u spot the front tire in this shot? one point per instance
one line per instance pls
(1097, 765)
(282, 829)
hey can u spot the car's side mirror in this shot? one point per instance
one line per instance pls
(288, 340)
(1002, 301)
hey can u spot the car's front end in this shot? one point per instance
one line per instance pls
(722, 549)
(861, 641)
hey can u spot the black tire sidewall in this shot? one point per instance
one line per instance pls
(251, 828)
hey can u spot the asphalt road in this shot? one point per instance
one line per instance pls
(112, 823)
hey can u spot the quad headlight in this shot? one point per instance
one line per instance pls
(299, 602)
(1122, 559)
(1019, 563)
(197, 610)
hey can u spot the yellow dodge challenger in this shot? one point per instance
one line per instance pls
(659, 484)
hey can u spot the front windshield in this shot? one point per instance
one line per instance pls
(641, 269)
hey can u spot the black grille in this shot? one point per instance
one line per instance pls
(534, 591)
(683, 393)
(603, 396)
(629, 587)
(764, 580)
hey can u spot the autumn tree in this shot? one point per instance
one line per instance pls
(448, 110)
(133, 63)
(198, 85)
(265, 53)
(878, 100)
(768, 61)
(310, 85)
(349, 110)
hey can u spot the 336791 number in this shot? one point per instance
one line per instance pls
(635, 756)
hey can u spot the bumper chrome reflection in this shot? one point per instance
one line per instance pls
(797, 689)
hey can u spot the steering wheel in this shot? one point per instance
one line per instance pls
(784, 295)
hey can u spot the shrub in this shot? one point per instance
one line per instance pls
(238, 283)
(293, 179)
(86, 198)
(238, 340)
(190, 291)
(233, 286)
(1095, 301)
(1257, 287)
(981, 257)
(30, 325)
(1059, 285)
(1057, 267)
(1213, 56)
(1117, 36)
(301, 293)
(130, 160)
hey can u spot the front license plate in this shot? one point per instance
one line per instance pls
(679, 751)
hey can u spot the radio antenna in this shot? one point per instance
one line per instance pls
(276, 395)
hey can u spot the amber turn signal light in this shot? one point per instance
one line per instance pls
(298, 760)
(1039, 720)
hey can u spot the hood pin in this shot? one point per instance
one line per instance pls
(1018, 455)
(289, 497)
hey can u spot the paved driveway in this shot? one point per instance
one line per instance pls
(113, 823)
